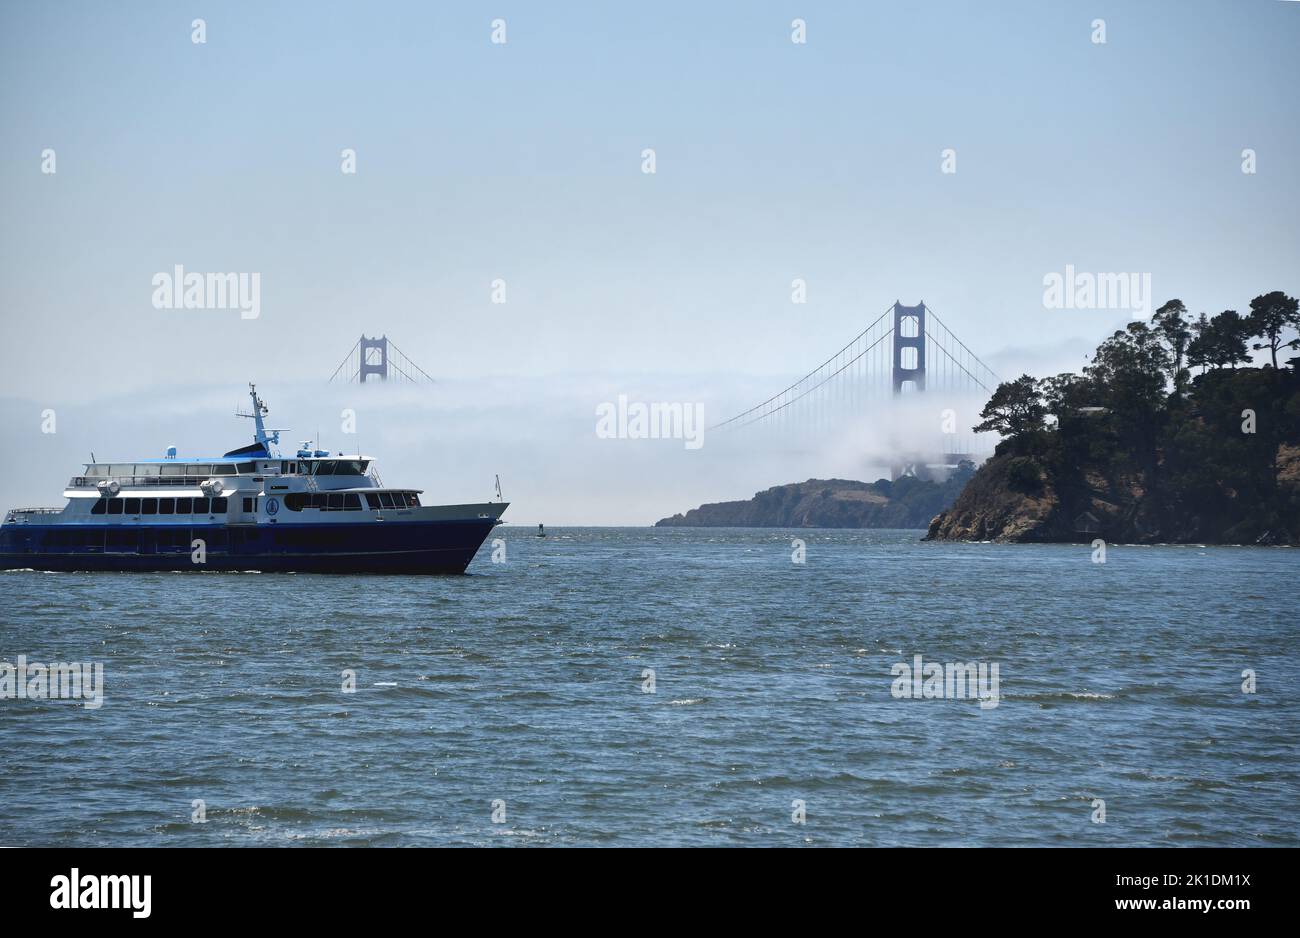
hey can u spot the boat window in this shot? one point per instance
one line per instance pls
(293, 501)
(372, 500)
(96, 472)
(287, 468)
(413, 500)
(115, 506)
(200, 506)
(362, 466)
(325, 467)
(147, 469)
(347, 467)
(132, 506)
(386, 499)
(184, 506)
(223, 469)
(173, 470)
(198, 470)
(99, 507)
(304, 468)
(247, 468)
(148, 506)
(166, 506)
(336, 501)
(219, 506)
(352, 502)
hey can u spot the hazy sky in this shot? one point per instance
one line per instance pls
(477, 161)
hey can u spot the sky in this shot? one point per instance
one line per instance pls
(479, 161)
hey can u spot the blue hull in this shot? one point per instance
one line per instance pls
(408, 547)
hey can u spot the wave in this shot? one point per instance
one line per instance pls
(1050, 696)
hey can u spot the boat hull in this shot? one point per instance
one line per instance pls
(405, 547)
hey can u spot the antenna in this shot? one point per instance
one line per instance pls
(499, 498)
(261, 435)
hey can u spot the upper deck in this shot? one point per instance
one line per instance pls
(324, 472)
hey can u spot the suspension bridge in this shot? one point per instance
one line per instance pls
(381, 360)
(905, 356)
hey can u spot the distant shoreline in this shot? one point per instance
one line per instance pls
(905, 504)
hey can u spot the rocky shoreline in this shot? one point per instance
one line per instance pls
(831, 503)
(1116, 510)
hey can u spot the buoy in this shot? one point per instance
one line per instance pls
(541, 531)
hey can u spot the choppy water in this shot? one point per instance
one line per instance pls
(524, 683)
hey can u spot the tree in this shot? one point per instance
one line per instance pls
(1128, 372)
(1064, 394)
(1270, 314)
(1232, 336)
(1198, 347)
(1169, 322)
(1015, 409)
(1221, 341)
(1131, 366)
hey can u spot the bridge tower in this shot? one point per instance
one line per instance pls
(909, 369)
(378, 358)
(909, 346)
(376, 363)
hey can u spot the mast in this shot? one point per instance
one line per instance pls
(266, 438)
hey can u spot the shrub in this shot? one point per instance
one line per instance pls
(1024, 476)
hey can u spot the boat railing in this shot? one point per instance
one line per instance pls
(90, 482)
(13, 513)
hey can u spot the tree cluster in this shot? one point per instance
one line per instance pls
(1168, 407)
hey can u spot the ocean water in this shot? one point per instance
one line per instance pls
(520, 690)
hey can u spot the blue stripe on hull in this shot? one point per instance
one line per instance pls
(388, 547)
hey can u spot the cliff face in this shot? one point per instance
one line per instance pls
(1020, 499)
(830, 503)
(989, 509)
(1015, 499)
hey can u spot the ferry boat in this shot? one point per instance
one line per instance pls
(251, 509)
